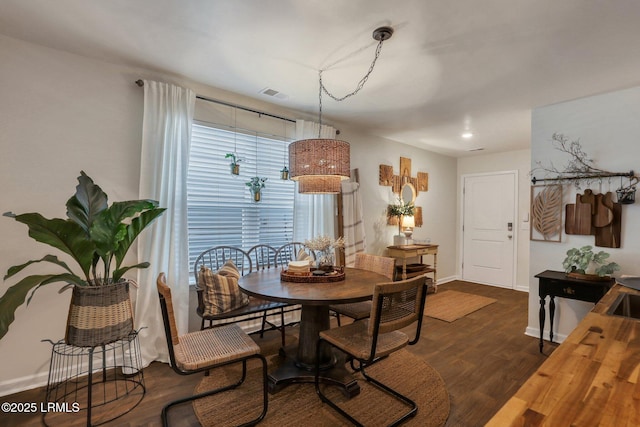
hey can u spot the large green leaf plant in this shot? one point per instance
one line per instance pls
(95, 235)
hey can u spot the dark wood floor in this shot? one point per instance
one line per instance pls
(483, 358)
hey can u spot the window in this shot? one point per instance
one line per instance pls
(221, 210)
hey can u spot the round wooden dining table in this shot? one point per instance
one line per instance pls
(315, 298)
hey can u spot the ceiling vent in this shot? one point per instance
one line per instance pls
(476, 149)
(274, 93)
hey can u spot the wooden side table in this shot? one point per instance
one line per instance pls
(404, 252)
(558, 284)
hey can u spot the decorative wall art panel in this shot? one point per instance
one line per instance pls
(546, 213)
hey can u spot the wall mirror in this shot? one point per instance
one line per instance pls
(408, 193)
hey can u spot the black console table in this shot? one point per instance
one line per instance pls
(558, 284)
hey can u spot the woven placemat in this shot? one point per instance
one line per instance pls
(299, 405)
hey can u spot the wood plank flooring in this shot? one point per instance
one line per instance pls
(483, 358)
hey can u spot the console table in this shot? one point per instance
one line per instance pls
(404, 252)
(558, 284)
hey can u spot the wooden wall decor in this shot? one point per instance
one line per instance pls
(417, 216)
(546, 213)
(405, 167)
(423, 181)
(387, 178)
(386, 175)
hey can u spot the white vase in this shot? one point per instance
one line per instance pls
(399, 240)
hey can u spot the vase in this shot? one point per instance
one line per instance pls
(99, 315)
(256, 196)
(235, 169)
(325, 262)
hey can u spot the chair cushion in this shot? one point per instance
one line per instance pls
(355, 340)
(220, 291)
(355, 310)
(210, 347)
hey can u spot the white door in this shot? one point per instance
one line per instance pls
(489, 229)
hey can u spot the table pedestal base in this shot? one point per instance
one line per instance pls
(291, 372)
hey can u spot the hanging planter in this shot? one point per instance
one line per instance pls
(284, 173)
(255, 186)
(234, 165)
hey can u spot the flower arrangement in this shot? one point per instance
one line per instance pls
(400, 209)
(323, 246)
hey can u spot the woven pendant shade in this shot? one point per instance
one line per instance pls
(319, 165)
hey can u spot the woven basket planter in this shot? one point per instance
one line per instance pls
(99, 315)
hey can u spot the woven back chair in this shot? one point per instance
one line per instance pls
(395, 305)
(289, 252)
(262, 257)
(208, 349)
(378, 264)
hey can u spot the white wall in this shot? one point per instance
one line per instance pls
(62, 113)
(608, 128)
(519, 161)
(438, 203)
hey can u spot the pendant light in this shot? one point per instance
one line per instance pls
(319, 165)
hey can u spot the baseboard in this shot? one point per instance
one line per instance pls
(443, 280)
(17, 385)
(535, 332)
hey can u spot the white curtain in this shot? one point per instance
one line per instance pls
(314, 214)
(166, 137)
(353, 225)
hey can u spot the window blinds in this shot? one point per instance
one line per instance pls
(221, 210)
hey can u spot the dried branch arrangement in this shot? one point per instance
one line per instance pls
(580, 169)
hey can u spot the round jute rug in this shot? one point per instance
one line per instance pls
(299, 405)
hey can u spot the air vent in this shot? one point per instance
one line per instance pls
(274, 93)
(476, 149)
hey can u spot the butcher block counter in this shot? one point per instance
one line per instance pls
(591, 379)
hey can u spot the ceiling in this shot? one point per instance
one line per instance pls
(450, 66)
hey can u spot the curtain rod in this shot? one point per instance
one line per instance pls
(140, 83)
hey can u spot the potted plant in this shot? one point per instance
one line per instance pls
(97, 237)
(255, 186)
(235, 167)
(583, 263)
(284, 173)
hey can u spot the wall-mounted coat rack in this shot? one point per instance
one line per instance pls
(629, 174)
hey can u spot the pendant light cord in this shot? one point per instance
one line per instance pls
(360, 85)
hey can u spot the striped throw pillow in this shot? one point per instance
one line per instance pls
(229, 269)
(221, 292)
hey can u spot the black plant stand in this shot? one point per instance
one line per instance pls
(106, 381)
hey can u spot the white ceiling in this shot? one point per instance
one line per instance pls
(450, 65)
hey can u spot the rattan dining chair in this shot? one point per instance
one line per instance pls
(361, 310)
(208, 349)
(395, 305)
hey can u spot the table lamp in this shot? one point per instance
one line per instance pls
(408, 223)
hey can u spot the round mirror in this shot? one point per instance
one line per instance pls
(408, 193)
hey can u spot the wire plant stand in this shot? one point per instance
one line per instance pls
(105, 381)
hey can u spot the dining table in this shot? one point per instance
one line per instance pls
(314, 298)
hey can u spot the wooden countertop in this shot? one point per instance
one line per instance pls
(591, 379)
